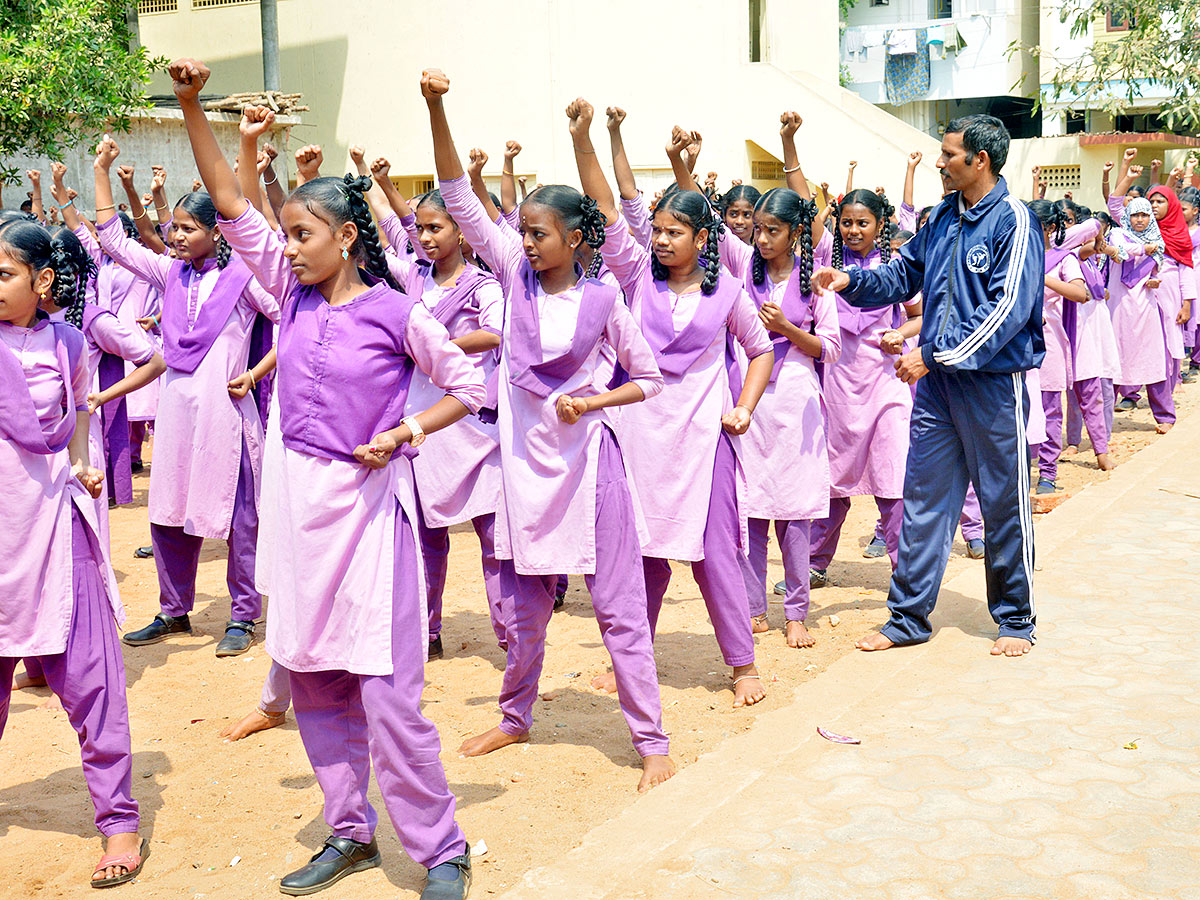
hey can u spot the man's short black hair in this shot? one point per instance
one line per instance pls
(981, 132)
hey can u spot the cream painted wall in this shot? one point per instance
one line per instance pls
(515, 66)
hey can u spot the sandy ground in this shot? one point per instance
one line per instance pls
(227, 820)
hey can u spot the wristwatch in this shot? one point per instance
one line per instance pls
(418, 433)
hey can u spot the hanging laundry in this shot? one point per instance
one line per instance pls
(852, 43)
(902, 42)
(906, 77)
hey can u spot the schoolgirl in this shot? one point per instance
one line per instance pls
(787, 433)
(1189, 203)
(687, 308)
(566, 502)
(338, 555)
(208, 444)
(867, 407)
(737, 211)
(60, 594)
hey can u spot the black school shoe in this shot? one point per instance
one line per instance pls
(338, 858)
(450, 880)
(144, 553)
(238, 638)
(158, 630)
(435, 648)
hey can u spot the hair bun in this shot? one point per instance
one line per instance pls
(357, 183)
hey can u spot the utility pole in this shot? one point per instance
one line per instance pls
(269, 15)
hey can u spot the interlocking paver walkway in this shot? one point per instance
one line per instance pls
(977, 777)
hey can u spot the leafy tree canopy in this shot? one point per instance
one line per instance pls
(1160, 50)
(68, 73)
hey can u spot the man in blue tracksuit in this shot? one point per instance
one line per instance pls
(979, 262)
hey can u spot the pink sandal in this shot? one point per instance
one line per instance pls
(131, 862)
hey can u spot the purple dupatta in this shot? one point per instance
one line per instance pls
(113, 418)
(19, 421)
(678, 352)
(184, 348)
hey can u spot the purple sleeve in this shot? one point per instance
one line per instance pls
(139, 260)
(81, 382)
(747, 327)
(113, 336)
(634, 354)
(637, 214)
(89, 244)
(1116, 206)
(825, 325)
(823, 251)
(1078, 235)
(1070, 269)
(906, 217)
(513, 218)
(498, 245)
(427, 342)
(400, 233)
(165, 228)
(735, 256)
(491, 307)
(259, 248)
(625, 257)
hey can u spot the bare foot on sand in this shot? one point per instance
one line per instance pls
(759, 624)
(798, 636)
(492, 739)
(747, 686)
(1070, 450)
(25, 680)
(1164, 427)
(251, 723)
(1011, 646)
(1104, 462)
(606, 682)
(655, 770)
(52, 704)
(874, 641)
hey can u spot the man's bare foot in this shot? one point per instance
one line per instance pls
(876, 640)
(1011, 646)
(759, 624)
(1104, 462)
(606, 682)
(655, 770)
(747, 686)
(492, 739)
(250, 723)
(1069, 450)
(119, 845)
(1164, 427)
(53, 703)
(25, 680)
(798, 635)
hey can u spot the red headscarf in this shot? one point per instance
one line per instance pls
(1173, 227)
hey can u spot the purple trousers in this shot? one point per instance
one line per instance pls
(1162, 403)
(349, 722)
(435, 550)
(619, 599)
(89, 678)
(825, 532)
(177, 555)
(720, 574)
(1089, 395)
(793, 537)
(137, 436)
(1075, 414)
(971, 520)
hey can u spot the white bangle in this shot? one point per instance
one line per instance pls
(795, 168)
(418, 433)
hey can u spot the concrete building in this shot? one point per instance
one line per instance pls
(722, 67)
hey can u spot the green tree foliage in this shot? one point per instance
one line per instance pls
(1161, 50)
(67, 74)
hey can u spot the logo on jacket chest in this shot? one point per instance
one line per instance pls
(978, 259)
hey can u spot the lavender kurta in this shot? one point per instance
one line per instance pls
(200, 428)
(868, 406)
(670, 441)
(546, 523)
(130, 298)
(458, 472)
(107, 334)
(1140, 324)
(36, 589)
(784, 452)
(327, 523)
(1057, 369)
(1095, 343)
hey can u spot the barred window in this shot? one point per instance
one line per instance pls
(149, 7)
(766, 170)
(205, 4)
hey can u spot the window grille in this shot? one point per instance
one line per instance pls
(149, 7)
(1061, 178)
(766, 170)
(423, 185)
(206, 4)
